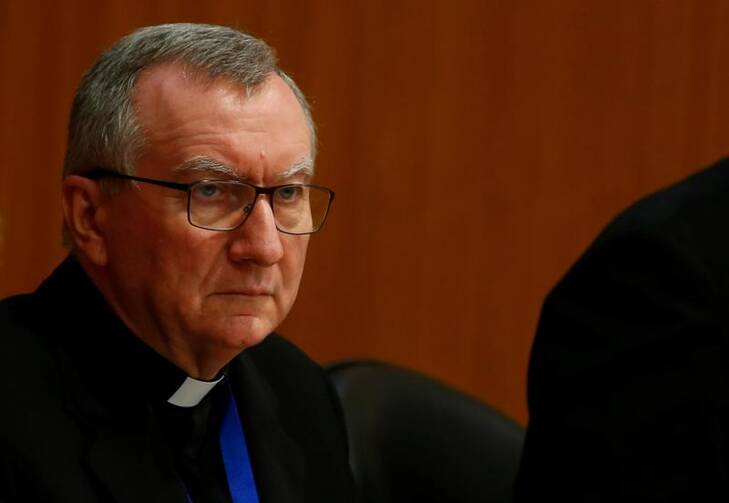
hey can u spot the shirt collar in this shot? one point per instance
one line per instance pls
(192, 391)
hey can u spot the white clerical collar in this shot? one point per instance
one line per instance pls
(192, 391)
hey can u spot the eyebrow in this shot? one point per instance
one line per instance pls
(202, 164)
(305, 167)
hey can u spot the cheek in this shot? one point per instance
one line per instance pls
(187, 262)
(292, 266)
(171, 261)
(129, 246)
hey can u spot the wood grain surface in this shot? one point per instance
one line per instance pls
(476, 148)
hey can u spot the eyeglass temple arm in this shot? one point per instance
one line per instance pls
(102, 173)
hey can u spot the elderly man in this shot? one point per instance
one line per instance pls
(144, 369)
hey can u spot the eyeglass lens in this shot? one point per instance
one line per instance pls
(224, 205)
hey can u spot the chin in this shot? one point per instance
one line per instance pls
(241, 332)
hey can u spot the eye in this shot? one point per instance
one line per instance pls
(206, 190)
(289, 192)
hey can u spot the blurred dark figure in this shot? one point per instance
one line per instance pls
(628, 382)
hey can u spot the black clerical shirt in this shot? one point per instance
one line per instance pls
(192, 436)
(90, 421)
(133, 378)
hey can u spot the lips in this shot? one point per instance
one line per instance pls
(251, 292)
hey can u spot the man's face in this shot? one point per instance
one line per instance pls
(193, 290)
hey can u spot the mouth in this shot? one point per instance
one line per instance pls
(246, 293)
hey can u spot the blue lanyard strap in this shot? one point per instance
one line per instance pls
(233, 446)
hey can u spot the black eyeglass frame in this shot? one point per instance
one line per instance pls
(99, 173)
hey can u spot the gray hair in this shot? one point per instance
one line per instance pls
(103, 129)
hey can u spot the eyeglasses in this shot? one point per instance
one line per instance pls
(224, 205)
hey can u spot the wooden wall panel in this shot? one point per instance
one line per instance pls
(476, 148)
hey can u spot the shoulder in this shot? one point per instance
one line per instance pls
(627, 367)
(647, 298)
(671, 243)
(23, 352)
(689, 213)
(275, 350)
(704, 192)
(291, 374)
(29, 372)
(304, 398)
(34, 426)
(284, 386)
(14, 311)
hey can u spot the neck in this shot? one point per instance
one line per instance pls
(201, 366)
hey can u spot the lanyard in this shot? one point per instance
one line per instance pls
(235, 455)
(237, 464)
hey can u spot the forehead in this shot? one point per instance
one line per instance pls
(184, 115)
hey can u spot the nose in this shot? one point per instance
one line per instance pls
(258, 239)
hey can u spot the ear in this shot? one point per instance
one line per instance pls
(83, 201)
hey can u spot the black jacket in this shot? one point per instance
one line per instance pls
(78, 424)
(629, 375)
